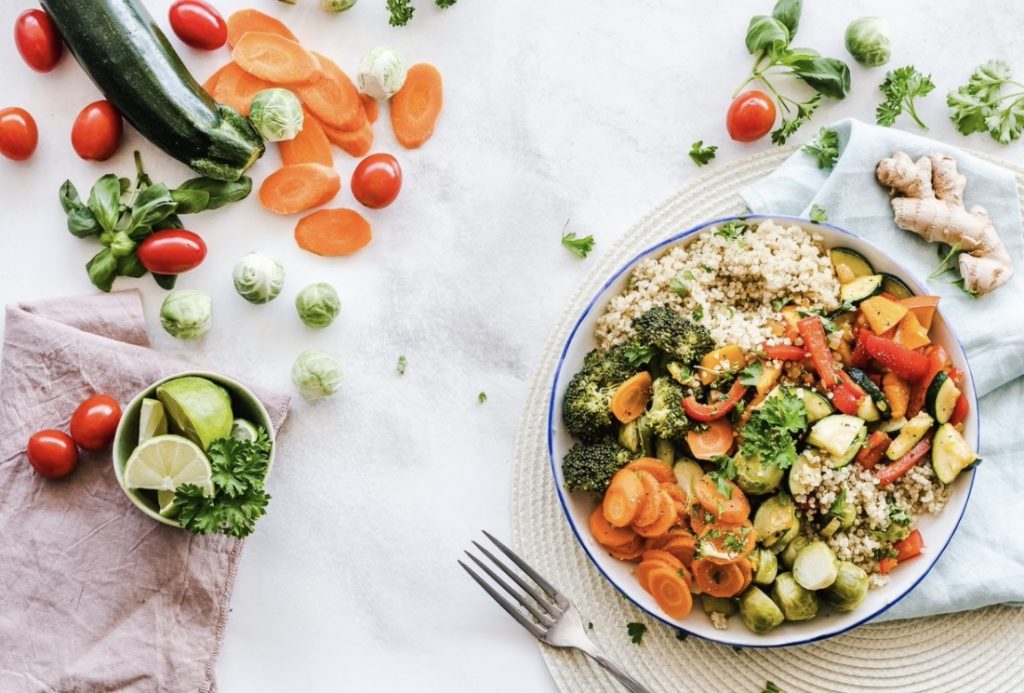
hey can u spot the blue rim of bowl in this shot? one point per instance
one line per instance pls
(554, 395)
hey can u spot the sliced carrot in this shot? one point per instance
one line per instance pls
(682, 546)
(655, 559)
(333, 232)
(664, 522)
(671, 591)
(417, 105)
(622, 499)
(355, 142)
(211, 82)
(275, 58)
(699, 517)
(723, 542)
(655, 543)
(727, 508)
(715, 440)
(628, 552)
(663, 557)
(299, 187)
(310, 146)
(677, 494)
(236, 88)
(244, 21)
(650, 504)
(653, 466)
(332, 97)
(720, 580)
(606, 533)
(370, 107)
(631, 398)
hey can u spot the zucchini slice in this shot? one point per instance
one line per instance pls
(868, 411)
(856, 264)
(941, 397)
(837, 461)
(818, 407)
(951, 454)
(861, 288)
(835, 434)
(912, 432)
(891, 284)
(873, 391)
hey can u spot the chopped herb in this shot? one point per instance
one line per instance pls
(580, 247)
(401, 12)
(688, 276)
(700, 154)
(770, 687)
(771, 430)
(402, 362)
(590, 625)
(698, 313)
(824, 147)
(636, 632)
(780, 303)
(679, 286)
(735, 542)
(730, 311)
(738, 409)
(638, 354)
(980, 105)
(898, 514)
(707, 267)
(949, 262)
(482, 397)
(445, 3)
(826, 322)
(901, 87)
(682, 635)
(752, 373)
(818, 214)
(732, 230)
(725, 473)
(838, 507)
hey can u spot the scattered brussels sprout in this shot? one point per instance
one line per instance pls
(338, 5)
(816, 566)
(276, 114)
(867, 39)
(186, 313)
(849, 590)
(755, 477)
(776, 519)
(788, 555)
(381, 73)
(767, 567)
(316, 374)
(258, 278)
(796, 603)
(318, 304)
(717, 605)
(759, 612)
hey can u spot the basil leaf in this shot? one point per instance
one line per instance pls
(105, 201)
(165, 281)
(793, 55)
(102, 269)
(220, 192)
(829, 76)
(767, 34)
(121, 245)
(172, 222)
(69, 199)
(130, 266)
(82, 223)
(191, 201)
(153, 205)
(787, 12)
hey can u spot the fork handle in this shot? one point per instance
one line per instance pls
(621, 676)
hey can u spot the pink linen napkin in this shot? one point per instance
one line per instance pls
(94, 595)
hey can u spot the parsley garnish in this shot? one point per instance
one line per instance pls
(636, 632)
(818, 214)
(827, 323)
(700, 154)
(752, 373)
(445, 3)
(732, 230)
(482, 397)
(771, 429)
(780, 303)
(401, 12)
(838, 507)
(698, 313)
(402, 362)
(981, 106)
(824, 147)
(579, 247)
(725, 473)
(679, 286)
(638, 354)
(898, 514)
(770, 687)
(901, 87)
(707, 267)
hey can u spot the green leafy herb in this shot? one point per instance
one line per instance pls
(580, 247)
(818, 214)
(898, 514)
(707, 268)
(401, 12)
(698, 313)
(981, 105)
(732, 230)
(445, 3)
(901, 87)
(770, 687)
(679, 286)
(838, 507)
(682, 635)
(638, 354)
(780, 303)
(402, 363)
(702, 155)
(636, 632)
(824, 147)
(793, 119)
(827, 323)
(725, 473)
(949, 262)
(482, 397)
(771, 431)
(752, 373)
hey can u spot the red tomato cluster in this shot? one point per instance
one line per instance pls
(54, 454)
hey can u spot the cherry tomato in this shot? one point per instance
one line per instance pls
(38, 41)
(751, 116)
(198, 25)
(94, 422)
(18, 133)
(377, 180)
(52, 453)
(97, 131)
(172, 251)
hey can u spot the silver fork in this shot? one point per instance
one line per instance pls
(555, 621)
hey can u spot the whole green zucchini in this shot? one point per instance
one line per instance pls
(130, 60)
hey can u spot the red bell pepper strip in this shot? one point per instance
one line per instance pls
(937, 359)
(894, 470)
(960, 410)
(813, 333)
(783, 352)
(886, 565)
(714, 410)
(902, 361)
(872, 453)
(860, 357)
(909, 547)
(848, 394)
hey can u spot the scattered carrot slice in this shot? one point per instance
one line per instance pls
(236, 88)
(734, 508)
(370, 107)
(664, 522)
(275, 58)
(211, 82)
(677, 494)
(629, 552)
(606, 533)
(299, 187)
(715, 440)
(631, 398)
(650, 503)
(699, 517)
(417, 105)
(664, 557)
(332, 97)
(333, 232)
(671, 592)
(655, 543)
(727, 542)
(653, 466)
(355, 142)
(683, 547)
(718, 580)
(310, 146)
(622, 499)
(244, 21)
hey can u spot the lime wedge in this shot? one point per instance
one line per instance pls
(152, 420)
(243, 430)
(197, 408)
(165, 462)
(165, 499)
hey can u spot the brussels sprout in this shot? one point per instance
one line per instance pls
(759, 612)
(258, 278)
(318, 304)
(381, 73)
(687, 474)
(849, 589)
(816, 566)
(788, 555)
(796, 603)
(799, 474)
(775, 519)
(755, 477)
(338, 5)
(665, 451)
(867, 39)
(717, 605)
(186, 313)
(276, 114)
(316, 374)
(767, 567)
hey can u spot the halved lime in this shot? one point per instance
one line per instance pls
(165, 499)
(152, 419)
(243, 430)
(165, 462)
(198, 409)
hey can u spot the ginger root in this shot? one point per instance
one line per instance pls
(928, 199)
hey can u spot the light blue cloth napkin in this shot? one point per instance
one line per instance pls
(984, 563)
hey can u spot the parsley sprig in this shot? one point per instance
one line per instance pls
(580, 247)
(725, 473)
(901, 87)
(402, 10)
(824, 147)
(702, 155)
(981, 105)
(636, 632)
(817, 214)
(771, 430)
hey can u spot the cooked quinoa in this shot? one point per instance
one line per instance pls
(728, 282)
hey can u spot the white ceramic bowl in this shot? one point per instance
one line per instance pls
(937, 530)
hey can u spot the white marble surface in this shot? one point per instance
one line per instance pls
(575, 109)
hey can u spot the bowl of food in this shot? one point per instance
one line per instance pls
(200, 440)
(762, 431)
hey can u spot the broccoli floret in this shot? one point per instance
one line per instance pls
(586, 409)
(685, 376)
(591, 466)
(664, 328)
(666, 416)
